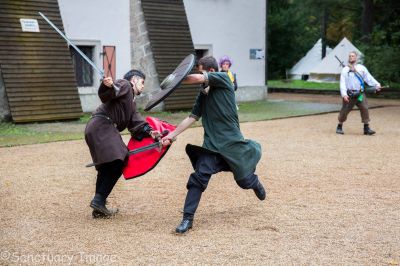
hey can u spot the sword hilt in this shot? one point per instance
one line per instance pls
(166, 132)
(116, 89)
(156, 145)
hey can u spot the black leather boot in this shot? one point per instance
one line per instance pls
(367, 130)
(260, 191)
(339, 129)
(184, 226)
(98, 204)
(99, 215)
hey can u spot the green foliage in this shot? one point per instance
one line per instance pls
(10, 129)
(85, 118)
(291, 33)
(383, 62)
(387, 23)
(382, 52)
(294, 26)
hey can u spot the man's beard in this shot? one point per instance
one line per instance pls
(135, 91)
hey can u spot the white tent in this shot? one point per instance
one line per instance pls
(329, 68)
(308, 62)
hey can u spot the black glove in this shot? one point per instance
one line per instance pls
(145, 132)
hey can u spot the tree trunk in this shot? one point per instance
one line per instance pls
(324, 25)
(367, 21)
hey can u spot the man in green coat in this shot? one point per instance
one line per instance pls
(224, 147)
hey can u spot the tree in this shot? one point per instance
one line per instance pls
(382, 52)
(291, 32)
(373, 25)
(367, 19)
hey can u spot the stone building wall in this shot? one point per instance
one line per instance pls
(5, 114)
(141, 55)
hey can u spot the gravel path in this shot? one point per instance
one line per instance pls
(331, 200)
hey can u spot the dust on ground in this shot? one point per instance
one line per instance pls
(332, 199)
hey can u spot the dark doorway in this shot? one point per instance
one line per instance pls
(200, 53)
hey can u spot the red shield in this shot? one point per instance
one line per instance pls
(143, 162)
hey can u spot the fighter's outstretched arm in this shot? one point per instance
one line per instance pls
(194, 79)
(186, 123)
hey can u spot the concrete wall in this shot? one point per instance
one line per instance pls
(5, 114)
(232, 27)
(98, 23)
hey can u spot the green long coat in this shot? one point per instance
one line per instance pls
(221, 127)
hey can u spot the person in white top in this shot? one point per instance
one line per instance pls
(353, 79)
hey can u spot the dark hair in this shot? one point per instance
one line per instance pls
(208, 62)
(131, 73)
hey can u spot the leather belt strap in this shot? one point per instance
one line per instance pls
(103, 116)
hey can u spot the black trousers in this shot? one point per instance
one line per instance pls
(107, 176)
(206, 166)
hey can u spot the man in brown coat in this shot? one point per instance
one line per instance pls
(102, 134)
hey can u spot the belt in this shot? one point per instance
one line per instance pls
(103, 116)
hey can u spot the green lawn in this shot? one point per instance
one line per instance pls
(12, 135)
(22, 134)
(273, 109)
(302, 84)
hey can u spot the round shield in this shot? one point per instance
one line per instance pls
(172, 81)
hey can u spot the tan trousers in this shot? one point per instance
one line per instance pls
(347, 107)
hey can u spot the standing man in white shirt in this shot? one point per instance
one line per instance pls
(353, 79)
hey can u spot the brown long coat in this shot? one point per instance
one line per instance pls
(101, 135)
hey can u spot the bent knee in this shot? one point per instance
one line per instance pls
(197, 181)
(248, 182)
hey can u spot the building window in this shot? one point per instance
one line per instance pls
(200, 53)
(83, 71)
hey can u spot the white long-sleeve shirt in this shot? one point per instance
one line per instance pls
(348, 80)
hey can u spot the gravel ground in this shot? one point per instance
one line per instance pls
(332, 199)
